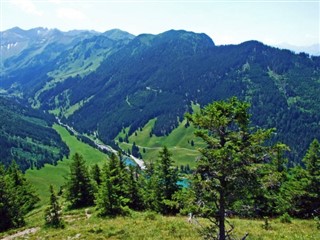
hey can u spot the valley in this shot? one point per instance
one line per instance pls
(237, 121)
(104, 82)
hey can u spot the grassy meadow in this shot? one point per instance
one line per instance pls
(178, 143)
(55, 175)
(149, 225)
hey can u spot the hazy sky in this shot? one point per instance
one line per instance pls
(272, 22)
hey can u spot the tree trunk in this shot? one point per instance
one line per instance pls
(222, 228)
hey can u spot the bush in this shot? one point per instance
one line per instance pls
(150, 216)
(285, 218)
(317, 220)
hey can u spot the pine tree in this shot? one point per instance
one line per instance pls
(312, 199)
(53, 216)
(6, 220)
(270, 199)
(17, 197)
(112, 197)
(96, 174)
(80, 191)
(164, 181)
(227, 161)
(134, 192)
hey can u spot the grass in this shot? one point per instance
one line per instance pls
(178, 142)
(149, 225)
(297, 230)
(55, 175)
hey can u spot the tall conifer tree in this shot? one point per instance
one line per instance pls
(112, 197)
(225, 168)
(53, 216)
(164, 182)
(80, 191)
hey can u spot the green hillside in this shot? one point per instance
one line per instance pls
(27, 137)
(103, 83)
(55, 175)
(179, 142)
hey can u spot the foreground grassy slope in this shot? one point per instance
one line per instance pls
(55, 175)
(146, 225)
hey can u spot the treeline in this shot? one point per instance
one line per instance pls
(115, 188)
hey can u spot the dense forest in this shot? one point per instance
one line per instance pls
(26, 136)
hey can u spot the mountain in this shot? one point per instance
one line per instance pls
(16, 41)
(312, 49)
(26, 136)
(37, 58)
(114, 80)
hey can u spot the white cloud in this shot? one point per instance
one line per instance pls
(71, 14)
(27, 6)
(55, 1)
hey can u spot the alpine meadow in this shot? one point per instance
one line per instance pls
(156, 136)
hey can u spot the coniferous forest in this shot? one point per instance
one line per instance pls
(115, 135)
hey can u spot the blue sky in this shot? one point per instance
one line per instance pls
(226, 22)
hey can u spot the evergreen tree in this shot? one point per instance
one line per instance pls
(80, 191)
(312, 199)
(270, 199)
(17, 197)
(53, 216)
(147, 183)
(227, 163)
(96, 174)
(112, 197)
(6, 220)
(164, 181)
(134, 192)
(23, 190)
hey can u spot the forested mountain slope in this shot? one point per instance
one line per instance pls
(107, 82)
(26, 136)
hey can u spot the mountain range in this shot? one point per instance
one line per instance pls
(101, 83)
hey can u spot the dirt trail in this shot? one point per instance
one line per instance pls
(22, 233)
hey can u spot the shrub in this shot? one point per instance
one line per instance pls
(285, 218)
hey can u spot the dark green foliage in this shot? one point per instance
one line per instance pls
(309, 202)
(96, 174)
(163, 184)
(285, 218)
(266, 225)
(17, 197)
(112, 197)
(134, 189)
(270, 198)
(227, 169)
(298, 193)
(135, 151)
(53, 215)
(26, 136)
(79, 188)
(317, 220)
